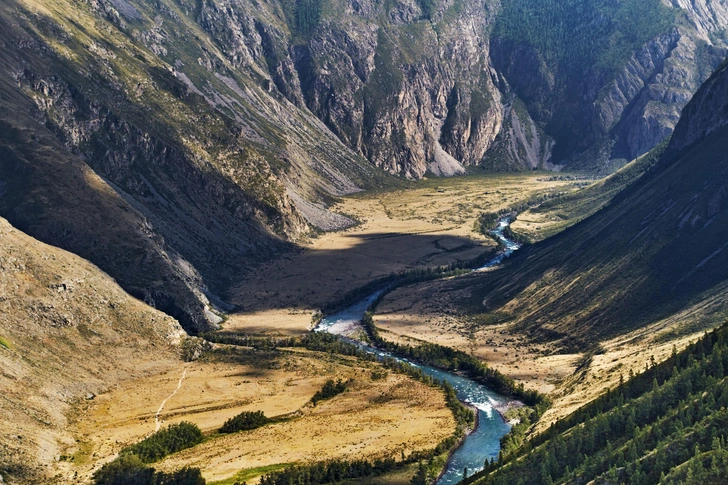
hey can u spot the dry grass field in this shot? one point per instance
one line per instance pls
(426, 225)
(372, 418)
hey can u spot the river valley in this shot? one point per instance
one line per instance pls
(483, 443)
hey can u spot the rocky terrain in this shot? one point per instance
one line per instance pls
(654, 256)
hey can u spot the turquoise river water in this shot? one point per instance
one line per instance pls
(484, 442)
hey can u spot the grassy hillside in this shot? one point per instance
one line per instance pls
(67, 332)
(555, 215)
(666, 425)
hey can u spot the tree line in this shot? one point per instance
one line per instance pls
(668, 424)
(457, 361)
(131, 466)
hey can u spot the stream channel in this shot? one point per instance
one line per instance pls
(484, 442)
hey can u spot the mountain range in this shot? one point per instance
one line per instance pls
(194, 139)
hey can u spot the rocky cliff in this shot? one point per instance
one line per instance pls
(418, 86)
(132, 139)
(608, 82)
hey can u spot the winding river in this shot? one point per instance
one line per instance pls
(484, 442)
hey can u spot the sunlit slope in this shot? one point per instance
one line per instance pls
(664, 426)
(658, 248)
(67, 332)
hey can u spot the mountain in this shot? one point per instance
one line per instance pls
(178, 143)
(67, 330)
(656, 251)
(607, 80)
(110, 150)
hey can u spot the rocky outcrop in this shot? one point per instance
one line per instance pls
(409, 93)
(597, 114)
(706, 113)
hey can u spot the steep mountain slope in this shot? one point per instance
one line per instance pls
(430, 85)
(110, 150)
(657, 249)
(665, 426)
(406, 84)
(213, 134)
(67, 331)
(607, 79)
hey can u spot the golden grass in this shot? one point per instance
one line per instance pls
(372, 418)
(428, 224)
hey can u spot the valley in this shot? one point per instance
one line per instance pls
(318, 242)
(427, 224)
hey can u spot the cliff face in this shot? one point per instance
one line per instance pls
(604, 104)
(409, 89)
(705, 114)
(428, 86)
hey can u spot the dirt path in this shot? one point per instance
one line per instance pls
(157, 422)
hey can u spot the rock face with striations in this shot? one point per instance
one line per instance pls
(411, 90)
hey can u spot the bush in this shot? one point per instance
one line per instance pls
(245, 421)
(129, 470)
(170, 440)
(329, 390)
(333, 471)
(125, 470)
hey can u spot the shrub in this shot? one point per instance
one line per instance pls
(329, 390)
(245, 421)
(174, 438)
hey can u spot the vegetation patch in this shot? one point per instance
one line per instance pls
(458, 361)
(174, 438)
(329, 472)
(329, 390)
(245, 421)
(579, 34)
(5, 343)
(130, 467)
(249, 473)
(130, 470)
